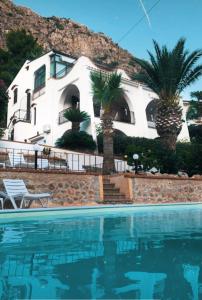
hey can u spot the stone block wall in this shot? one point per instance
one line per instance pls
(67, 189)
(165, 189)
(73, 189)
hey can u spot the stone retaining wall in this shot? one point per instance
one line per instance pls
(164, 189)
(67, 189)
(87, 189)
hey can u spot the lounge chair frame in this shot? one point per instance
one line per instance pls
(17, 191)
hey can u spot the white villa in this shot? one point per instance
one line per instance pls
(45, 87)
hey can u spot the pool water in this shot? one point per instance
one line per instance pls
(137, 253)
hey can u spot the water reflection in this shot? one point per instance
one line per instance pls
(146, 255)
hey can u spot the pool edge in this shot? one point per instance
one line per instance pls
(93, 208)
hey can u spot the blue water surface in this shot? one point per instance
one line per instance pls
(153, 253)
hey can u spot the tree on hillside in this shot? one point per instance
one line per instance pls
(107, 90)
(3, 106)
(168, 73)
(20, 47)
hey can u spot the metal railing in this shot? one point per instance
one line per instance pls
(151, 124)
(22, 115)
(120, 120)
(61, 118)
(55, 161)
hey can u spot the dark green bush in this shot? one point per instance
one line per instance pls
(1, 132)
(152, 154)
(120, 143)
(195, 132)
(188, 156)
(3, 105)
(59, 26)
(76, 141)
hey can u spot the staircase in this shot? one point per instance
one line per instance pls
(112, 194)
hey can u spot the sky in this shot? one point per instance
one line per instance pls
(170, 20)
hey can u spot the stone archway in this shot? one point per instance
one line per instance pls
(70, 98)
(120, 109)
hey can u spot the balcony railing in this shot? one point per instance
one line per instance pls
(151, 124)
(22, 115)
(126, 120)
(48, 159)
(39, 92)
(61, 118)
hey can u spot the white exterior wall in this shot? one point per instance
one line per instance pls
(49, 104)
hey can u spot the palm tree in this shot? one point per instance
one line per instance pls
(168, 73)
(107, 90)
(76, 116)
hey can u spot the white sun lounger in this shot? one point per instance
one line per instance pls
(43, 163)
(3, 197)
(2, 203)
(17, 160)
(17, 191)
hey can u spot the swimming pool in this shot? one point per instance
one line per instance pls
(152, 252)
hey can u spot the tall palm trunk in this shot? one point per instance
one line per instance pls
(108, 144)
(168, 123)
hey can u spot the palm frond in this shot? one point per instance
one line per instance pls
(168, 73)
(197, 95)
(106, 88)
(75, 115)
(98, 84)
(191, 77)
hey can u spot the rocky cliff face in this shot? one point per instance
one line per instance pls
(64, 35)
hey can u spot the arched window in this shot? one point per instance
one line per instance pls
(70, 98)
(121, 111)
(151, 113)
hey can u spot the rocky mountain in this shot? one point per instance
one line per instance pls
(64, 35)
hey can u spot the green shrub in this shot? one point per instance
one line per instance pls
(75, 115)
(3, 105)
(1, 132)
(76, 141)
(188, 156)
(120, 142)
(195, 132)
(59, 26)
